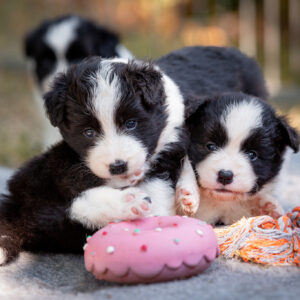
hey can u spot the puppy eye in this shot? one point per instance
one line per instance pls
(89, 133)
(211, 147)
(131, 124)
(252, 155)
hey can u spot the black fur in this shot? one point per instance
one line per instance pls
(34, 214)
(208, 71)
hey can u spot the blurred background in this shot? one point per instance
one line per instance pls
(268, 30)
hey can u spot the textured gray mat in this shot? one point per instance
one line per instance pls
(64, 277)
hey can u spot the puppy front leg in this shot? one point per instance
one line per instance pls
(97, 207)
(187, 192)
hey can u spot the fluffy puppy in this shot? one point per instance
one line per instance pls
(237, 150)
(122, 149)
(58, 43)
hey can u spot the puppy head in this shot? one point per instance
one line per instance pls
(56, 44)
(237, 145)
(111, 113)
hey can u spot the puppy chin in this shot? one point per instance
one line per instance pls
(123, 181)
(223, 195)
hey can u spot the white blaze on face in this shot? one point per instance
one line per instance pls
(238, 120)
(58, 38)
(113, 144)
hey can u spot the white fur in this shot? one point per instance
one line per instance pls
(187, 181)
(97, 207)
(59, 36)
(113, 145)
(175, 110)
(239, 120)
(229, 211)
(123, 51)
(162, 195)
(3, 256)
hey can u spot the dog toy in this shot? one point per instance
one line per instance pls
(263, 240)
(151, 249)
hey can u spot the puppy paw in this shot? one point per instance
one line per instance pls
(271, 209)
(268, 207)
(187, 201)
(136, 204)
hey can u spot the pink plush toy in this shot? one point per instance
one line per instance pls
(151, 249)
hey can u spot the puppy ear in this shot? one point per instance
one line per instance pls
(55, 100)
(290, 134)
(192, 104)
(147, 82)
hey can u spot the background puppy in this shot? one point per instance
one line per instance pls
(237, 150)
(56, 44)
(124, 142)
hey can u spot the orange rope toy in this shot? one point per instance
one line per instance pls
(263, 240)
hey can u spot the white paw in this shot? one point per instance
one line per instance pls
(136, 204)
(3, 256)
(187, 200)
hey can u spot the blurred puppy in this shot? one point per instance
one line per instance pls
(56, 44)
(237, 151)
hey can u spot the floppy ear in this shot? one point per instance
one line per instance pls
(290, 134)
(192, 103)
(147, 82)
(55, 100)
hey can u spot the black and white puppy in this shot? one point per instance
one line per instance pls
(123, 144)
(58, 43)
(237, 149)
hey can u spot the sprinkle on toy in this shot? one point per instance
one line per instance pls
(144, 248)
(126, 229)
(104, 233)
(202, 223)
(88, 237)
(199, 232)
(85, 245)
(93, 253)
(110, 249)
(136, 231)
(176, 241)
(185, 216)
(158, 229)
(175, 224)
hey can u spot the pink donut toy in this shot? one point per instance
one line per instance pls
(151, 249)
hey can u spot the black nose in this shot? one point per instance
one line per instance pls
(225, 177)
(118, 167)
